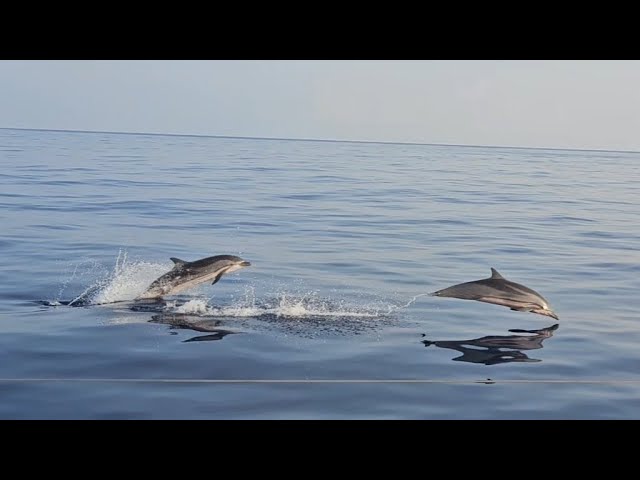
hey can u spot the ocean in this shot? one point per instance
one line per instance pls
(332, 320)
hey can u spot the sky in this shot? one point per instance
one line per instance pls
(548, 104)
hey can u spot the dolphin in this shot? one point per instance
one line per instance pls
(185, 275)
(500, 291)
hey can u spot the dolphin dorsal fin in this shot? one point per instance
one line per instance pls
(177, 261)
(495, 275)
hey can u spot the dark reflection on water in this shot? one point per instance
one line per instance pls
(496, 349)
(190, 322)
(219, 335)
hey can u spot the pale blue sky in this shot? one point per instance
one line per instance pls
(562, 104)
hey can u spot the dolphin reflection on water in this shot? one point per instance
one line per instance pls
(189, 322)
(495, 349)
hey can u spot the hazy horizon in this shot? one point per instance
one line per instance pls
(554, 104)
(169, 134)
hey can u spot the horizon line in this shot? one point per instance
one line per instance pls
(382, 142)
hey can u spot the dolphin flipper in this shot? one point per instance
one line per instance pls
(218, 277)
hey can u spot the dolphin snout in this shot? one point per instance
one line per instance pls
(244, 263)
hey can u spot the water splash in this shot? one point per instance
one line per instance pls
(196, 306)
(394, 308)
(125, 281)
(83, 268)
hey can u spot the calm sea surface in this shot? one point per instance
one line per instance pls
(332, 319)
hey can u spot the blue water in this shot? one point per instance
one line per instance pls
(331, 320)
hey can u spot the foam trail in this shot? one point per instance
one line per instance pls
(283, 306)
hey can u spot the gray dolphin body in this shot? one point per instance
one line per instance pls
(186, 275)
(500, 291)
